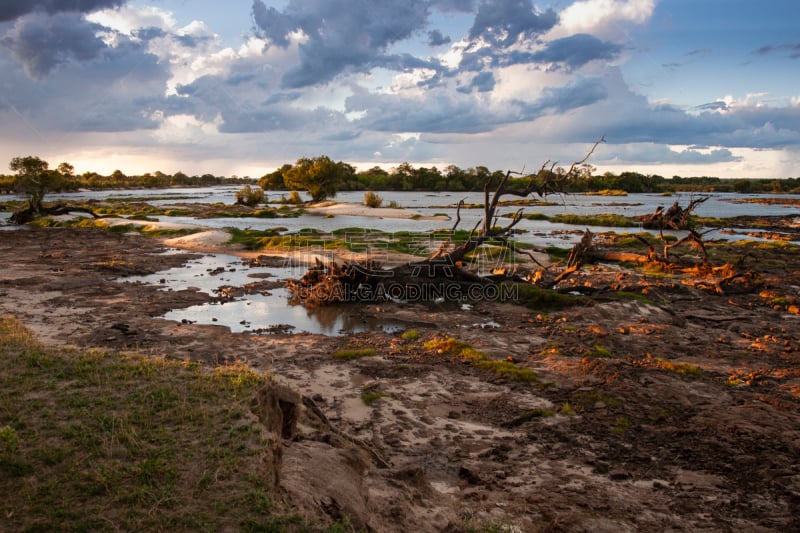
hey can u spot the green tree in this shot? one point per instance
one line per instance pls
(35, 179)
(66, 170)
(274, 180)
(320, 176)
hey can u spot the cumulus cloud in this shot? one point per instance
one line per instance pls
(13, 9)
(607, 19)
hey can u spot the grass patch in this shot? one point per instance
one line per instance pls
(603, 219)
(410, 335)
(503, 368)
(354, 354)
(92, 441)
(539, 298)
(530, 415)
(684, 369)
(567, 409)
(621, 426)
(600, 351)
(582, 400)
(627, 295)
(370, 396)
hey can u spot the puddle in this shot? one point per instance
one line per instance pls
(270, 312)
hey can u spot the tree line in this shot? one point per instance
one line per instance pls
(63, 178)
(322, 177)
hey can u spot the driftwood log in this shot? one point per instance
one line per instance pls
(30, 213)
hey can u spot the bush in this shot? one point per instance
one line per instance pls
(295, 198)
(250, 196)
(372, 200)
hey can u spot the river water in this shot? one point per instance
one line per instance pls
(263, 311)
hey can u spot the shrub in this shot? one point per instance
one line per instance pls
(372, 200)
(250, 196)
(295, 198)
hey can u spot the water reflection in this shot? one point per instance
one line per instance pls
(270, 312)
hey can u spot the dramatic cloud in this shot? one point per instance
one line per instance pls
(504, 22)
(341, 34)
(12, 9)
(605, 18)
(42, 42)
(427, 81)
(577, 50)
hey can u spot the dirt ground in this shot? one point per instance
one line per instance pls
(660, 406)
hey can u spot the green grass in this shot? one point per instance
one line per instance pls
(99, 441)
(539, 298)
(684, 369)
(354, 354)
(410, 335)
(582, 400)
(621, 426)
(369, 395)
(532, 415)
(604, 219)
(503, 368)
(600, 351)
(144, 229)
(627, 295)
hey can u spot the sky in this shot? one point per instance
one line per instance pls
(241, 87)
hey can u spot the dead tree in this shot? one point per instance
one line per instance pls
(675, 218)
(332, 282)
(542, 183)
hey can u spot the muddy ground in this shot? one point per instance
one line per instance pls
(660, 405)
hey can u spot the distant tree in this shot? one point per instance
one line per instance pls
(320, 176)
(34, 179)
(274, 180)
(65, 169)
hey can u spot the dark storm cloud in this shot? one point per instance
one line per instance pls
(577, 50)
(12, 9)
(504, 22)
(120, 89)
(42, 42)
(342, 34)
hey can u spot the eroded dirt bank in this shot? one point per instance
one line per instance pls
(676, 409)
